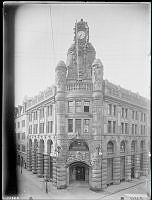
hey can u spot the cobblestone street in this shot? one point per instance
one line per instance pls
(32, 186)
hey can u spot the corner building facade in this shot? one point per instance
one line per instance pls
(85, 128)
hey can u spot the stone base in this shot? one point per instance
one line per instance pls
(116, 182)
(40, 175)
(61, 186)
(95, 189)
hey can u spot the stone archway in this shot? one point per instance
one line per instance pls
(78, 172)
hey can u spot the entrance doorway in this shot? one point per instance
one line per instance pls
(78, 172)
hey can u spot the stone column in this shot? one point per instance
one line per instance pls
(29, 159)
(97, 123)
(60, 80)
(46, 166)
(137, 165)
(104, 174)
(128, 167)
(40, 164)
(116, 170)
(145, 163)
(95, 183)
(54, 171)
(61, 176)
(34, 161)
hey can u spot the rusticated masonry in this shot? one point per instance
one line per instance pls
(116, 170)
(40, 169)
(46, 166)
(104, 174)
(137, 165)
(34, 161)
(29, 159)
(128, 168)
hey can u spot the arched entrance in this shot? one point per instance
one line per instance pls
(78, 172)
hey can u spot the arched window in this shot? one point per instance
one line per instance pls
(122, 147)
(110, 147)
(78, 145)
(133, 146)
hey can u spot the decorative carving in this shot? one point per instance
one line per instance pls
(82, 156)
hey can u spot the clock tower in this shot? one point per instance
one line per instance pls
(81, 54)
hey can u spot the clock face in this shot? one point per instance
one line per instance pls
(81, 35)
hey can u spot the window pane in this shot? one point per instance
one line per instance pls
(78, 125)
(70, 125)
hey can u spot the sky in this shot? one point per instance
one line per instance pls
(120, 34)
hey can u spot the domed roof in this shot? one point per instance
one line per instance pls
(97, 61)
(61, 65)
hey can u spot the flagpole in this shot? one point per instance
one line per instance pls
(77, 51)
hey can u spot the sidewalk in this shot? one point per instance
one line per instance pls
(36, 189)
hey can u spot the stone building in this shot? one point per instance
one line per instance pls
(84, 128)
(21, 134)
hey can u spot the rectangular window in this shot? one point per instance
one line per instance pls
(126, 128)
(30, 129)
(35, 128)
(23, 148)
(70, 125)
(135, 129)
(23, 136)
(114, 126)
(35, 115)
(122, 128)
(141, 118)
(122, 112)
(78, 125)
(132, 128)
(141, 129)
(144, 130)
(18, 124)
(18, 147)
(110, 109)
(41, 113)
(144, 117)
(23, 123)
(86, 125)
(78, 106)
(136, 115)
(126, 113)
(133, 113)
(109, 126)
(114, 110)
(86, 106)
(30, 117)
(41, 127)
(49, 127)
(71, 106)
(49, 110)
(18, 136)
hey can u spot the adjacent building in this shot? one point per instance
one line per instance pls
(85, 128)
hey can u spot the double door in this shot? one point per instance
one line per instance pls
(80, 173)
